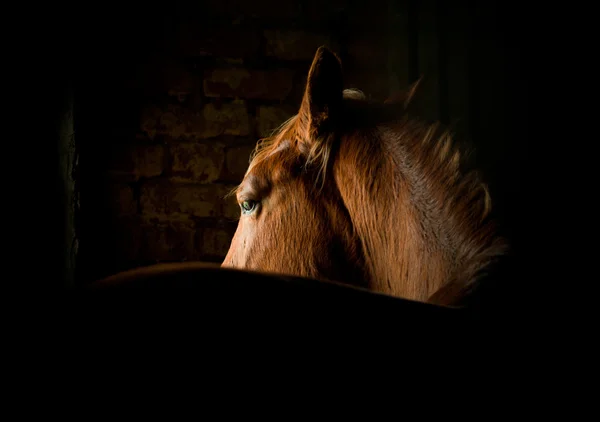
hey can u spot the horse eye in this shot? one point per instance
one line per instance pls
(248, 206)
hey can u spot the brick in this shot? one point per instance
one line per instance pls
(358, 15)
(171, 241)
(270, 118)
(127, 239)
(166, 201)
(132, 162)
(160, 75)
(318, 10)
(215, 242)
(201, 163)
(265, 9)
(122, 200)
(369, 51)
(176, 122)
(181, 82)
(135, 241)
(177, 202)
(231, 209)
(220, 41)
(249, 84)
(229, 119)
(237, 160)
(296, 45)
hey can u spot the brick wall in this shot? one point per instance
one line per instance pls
(168, 133)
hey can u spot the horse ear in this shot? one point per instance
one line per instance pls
(405, 97)
(323, 93)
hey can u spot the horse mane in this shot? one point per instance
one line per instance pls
(452, 203)
(423, 168)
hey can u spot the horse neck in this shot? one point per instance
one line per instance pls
(412, 242)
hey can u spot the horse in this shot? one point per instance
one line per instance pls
(361, 192)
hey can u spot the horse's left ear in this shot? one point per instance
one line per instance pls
(405, 97)
(324, 92)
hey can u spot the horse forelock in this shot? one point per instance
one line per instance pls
(291, 133)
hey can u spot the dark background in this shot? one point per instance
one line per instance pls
(131, 98)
